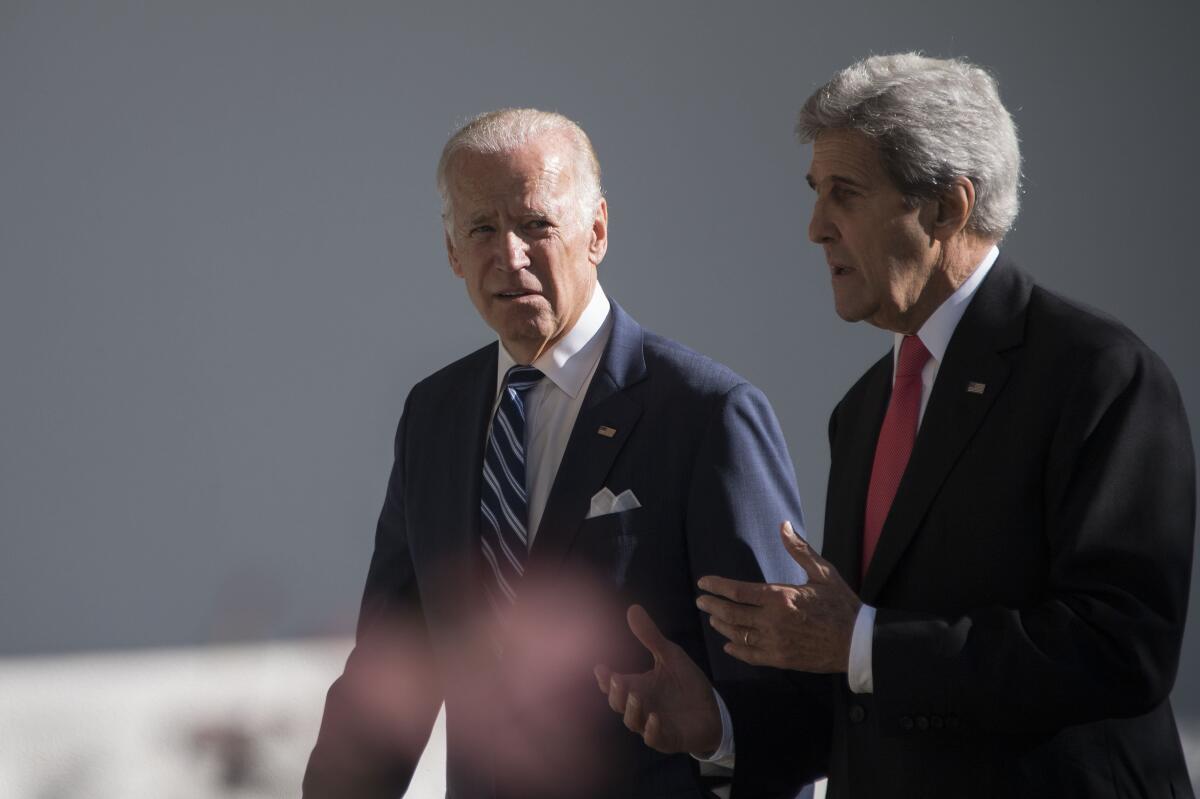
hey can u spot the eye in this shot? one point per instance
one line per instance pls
(479, 230)
(841, 193)
(537, 224)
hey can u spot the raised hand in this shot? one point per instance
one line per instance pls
(801, 627)
(671, 706)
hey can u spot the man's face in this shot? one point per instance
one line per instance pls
(518, 241)
(880, 251)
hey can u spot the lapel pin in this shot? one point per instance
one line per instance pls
(975, 388)
(606, 431)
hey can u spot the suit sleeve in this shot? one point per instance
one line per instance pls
(1104, 638)
(743, 488)
(379, 713)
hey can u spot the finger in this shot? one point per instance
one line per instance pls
(634, 716)
(738, 591)
(755, 657)
(730, 612)
(731, 631)
(654, 735)
(603, 675)
(618, 691)
(646, 631)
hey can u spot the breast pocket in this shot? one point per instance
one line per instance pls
(612, 543)
(627, 522)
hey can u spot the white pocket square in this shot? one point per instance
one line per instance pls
(605, 502)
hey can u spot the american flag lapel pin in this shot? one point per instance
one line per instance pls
(606, 431)
(976, 388)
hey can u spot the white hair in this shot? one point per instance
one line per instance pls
(933, 120)
(508, 129)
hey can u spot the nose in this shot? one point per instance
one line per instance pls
(820, 229)
(516, 252)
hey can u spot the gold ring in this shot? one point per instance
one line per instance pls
(746, 638)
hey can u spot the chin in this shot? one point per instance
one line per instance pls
(524, 322)
(531, 333)
(849, 313)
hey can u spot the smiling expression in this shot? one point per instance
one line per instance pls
(520, 242)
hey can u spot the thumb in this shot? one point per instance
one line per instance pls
(799, 549)
(647, 632)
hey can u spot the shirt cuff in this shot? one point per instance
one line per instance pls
(724, 754)
(862, 679)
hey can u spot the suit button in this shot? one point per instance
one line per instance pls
(937, 722)
(922, 722)
(906, 722)
(857, 713)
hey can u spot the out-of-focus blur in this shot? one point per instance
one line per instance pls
(519, 683)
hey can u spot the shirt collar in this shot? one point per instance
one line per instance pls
(939, 327)
(569, 362)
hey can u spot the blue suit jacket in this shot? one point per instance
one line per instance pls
(702, 451)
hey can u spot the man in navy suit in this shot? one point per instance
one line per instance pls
(1011, 504)
(541, 485)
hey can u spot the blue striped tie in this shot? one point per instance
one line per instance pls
(503, 503)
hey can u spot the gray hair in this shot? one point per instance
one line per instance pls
(933, 120)
(506, 130)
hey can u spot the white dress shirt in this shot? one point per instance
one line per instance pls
(935, 334)
(552, 406)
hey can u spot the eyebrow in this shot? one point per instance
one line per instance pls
(525, 212)
(842, 179)
(476, 219)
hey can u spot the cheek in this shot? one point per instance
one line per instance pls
(860, 237)
(549, 261)
(906, 238)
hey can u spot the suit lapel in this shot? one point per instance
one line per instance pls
(461, 461)
(589, 455)
(850, 469)
(994, 322)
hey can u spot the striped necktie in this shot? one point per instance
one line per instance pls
(503, 503)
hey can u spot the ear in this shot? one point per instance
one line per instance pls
(954, 207)
(598, 245)
(455, 266)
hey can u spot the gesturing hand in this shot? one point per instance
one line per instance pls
(672, 705)
(800, 627)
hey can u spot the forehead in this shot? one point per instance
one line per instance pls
(846, 155)
(538, 173)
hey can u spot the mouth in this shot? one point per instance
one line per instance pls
(516, 294)
(838, 270)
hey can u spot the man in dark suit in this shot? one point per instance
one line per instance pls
(541, 485)
(1011, 507)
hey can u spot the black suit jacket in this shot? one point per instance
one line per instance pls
(703, 453)
(1031, 578)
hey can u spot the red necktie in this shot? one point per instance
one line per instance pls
(895, 441)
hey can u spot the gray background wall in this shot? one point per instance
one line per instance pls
(221, 266)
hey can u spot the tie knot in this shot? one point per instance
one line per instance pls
(913, 356)
(520, 378)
